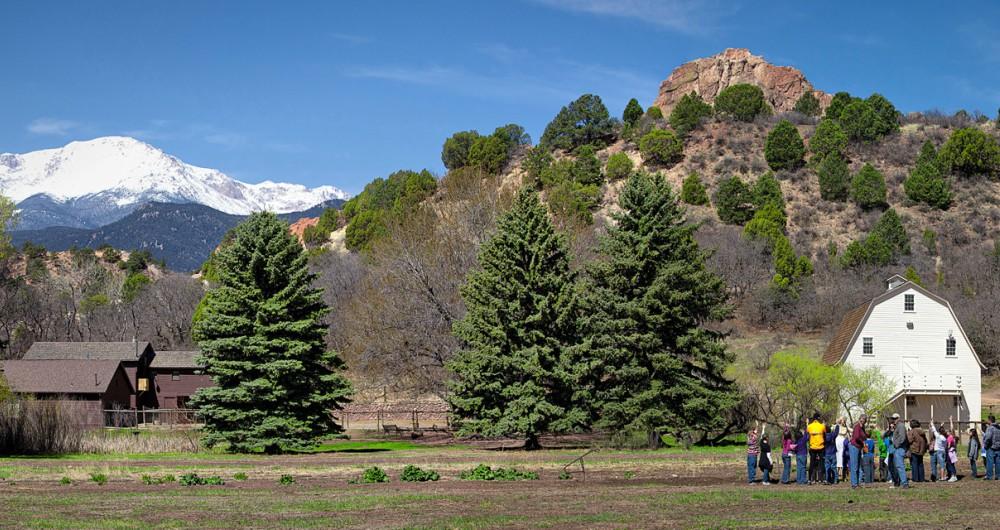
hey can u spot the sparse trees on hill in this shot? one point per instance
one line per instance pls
(743, 102)
(970, 151)
(661, 147)
(693, 190)
(783, 148)
(647, 360)
(455, 152)
(733, 201)
(688, 113)
(807, 104)
(489, 154)
(834, 178)
(632, 113)
(868, 188)
(864, 120)
(512, 377)
(828, 139)
(886, 242)
(926, 183)
(262, 340)
(582, 122)
(837, 104)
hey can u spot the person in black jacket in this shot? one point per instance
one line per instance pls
(764, 462)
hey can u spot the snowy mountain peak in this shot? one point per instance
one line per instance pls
(125, 172)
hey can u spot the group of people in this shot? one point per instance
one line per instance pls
(838, 453)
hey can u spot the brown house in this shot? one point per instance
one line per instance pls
(135, 359)
(86, 387)
(177, 376)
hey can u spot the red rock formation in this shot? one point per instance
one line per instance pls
(782, 85)
(298, 228)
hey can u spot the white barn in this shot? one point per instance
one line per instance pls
(915, 338)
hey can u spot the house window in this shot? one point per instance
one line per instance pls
(867, 346)
(908, 302)
(175, 376)
(911, 401)
(949, 347)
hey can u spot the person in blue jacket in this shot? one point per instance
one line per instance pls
(801, 457)
(830, 456)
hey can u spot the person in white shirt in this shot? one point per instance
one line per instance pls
(940, 452)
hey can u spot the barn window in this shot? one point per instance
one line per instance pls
(175, 376)
(911, 401)
(908, 302)
(949, 346)
(867, 346)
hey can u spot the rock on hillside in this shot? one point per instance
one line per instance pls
(298, 228)
(782, 85)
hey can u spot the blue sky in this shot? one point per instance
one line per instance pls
(342, 92)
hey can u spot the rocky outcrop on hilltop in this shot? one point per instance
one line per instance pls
(782, 85)
(298, 228)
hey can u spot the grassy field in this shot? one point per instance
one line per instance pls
(621, 489)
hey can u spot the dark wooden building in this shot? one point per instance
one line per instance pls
(135, 359)
(177, 376)
(84, 387)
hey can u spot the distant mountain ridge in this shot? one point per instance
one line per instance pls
(183, 235)
(89, 184)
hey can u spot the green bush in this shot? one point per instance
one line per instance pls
(837, 105)
(888, 116)
(485, 472)
(286, 480)
(868, 188)
(882, 246)
(99, 478)
(783, 148)
(654, 113)
(369, 212)
(929, 238)
(789, 268)
(455, 152)
(970, 151)
(619, 166)
(768, 224)
(767, 191)
(925, 183)
(890, 228)
(632, 113)
(743, 102)
(860, 122)
(807, 104)
(240, 476)
(828, 139)
(733, 201)
(110, 254)
(571, 200)
(582, 122)
(371, 475)
(564, 475)
(65, 481)
(150, 480)
(688, 113)
(834, 178)
(693, 191)
(586, 167)
(192, 479)
(412, 473)
(661, 147)
(535, 162)
(489, 154)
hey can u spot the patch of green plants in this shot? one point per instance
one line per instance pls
(485, 472)
(285, 480)
(65, 481)
(99, 478)
(371, 475)
(412, 473)
(565, 475)
(240, 476)
(150, 480)
(6, 473)
(629, 475)
(192, 479)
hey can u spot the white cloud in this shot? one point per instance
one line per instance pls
(684, 16)
(52, 126)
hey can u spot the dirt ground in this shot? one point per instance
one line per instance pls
(620, 489)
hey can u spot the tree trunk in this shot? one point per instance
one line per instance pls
(272, 449)
(654, 441)
(531, 443)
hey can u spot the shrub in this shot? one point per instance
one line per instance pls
(768, 225)
(837, 105)
(485, 472)
(619, 166)
(733, 201)
(455, 152)
(911, 275)
(513, 136)
(192, 479)
(489, 154)
(286, 480)
(789, 268)
(564, 475)
(573, 201)
(743, 102)
(970, 151)
(888, 116)
(807, 105)
(654, 113)
(890, 228)
(412, 473)
(587, 168)
(783, 148)
(883, 245)
(693, 191)
(767, 191)
(929, 238)
(99, 478)
(240, 476)
(661, 147)
(32, 427)
(834, 178)
(860, 122)
(537, 161)
(110, 254)
(632, 113)
(371, 475)
(925, 183)
(868, 188)
(688, 113)
(65, 481)
(828, 139)
(584, 121)
(150, 480)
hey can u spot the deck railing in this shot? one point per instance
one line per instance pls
(151, 417)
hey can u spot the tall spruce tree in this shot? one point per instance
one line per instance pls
(261, 336)
(511, 378)
(646, 362)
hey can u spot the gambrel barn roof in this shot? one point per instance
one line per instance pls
(854, 321)
(107, 351)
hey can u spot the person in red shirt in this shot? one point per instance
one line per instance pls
(858, 437)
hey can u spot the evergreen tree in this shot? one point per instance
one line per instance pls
(767, 191)
(861, 123)
(632, 113)
(828, 139)
(511, 377)
(783, 148)
(693, 191)
(926, 183)
(661, 147)
(834, 178)
(970, 151)
(807, 104)
(619, 166)
(489, 153)
(840, 101)
(261, 335)
(890, 229)
(584, 121)
(868, 188)
(734, 201)
(586, 167)
(911, 275)
(743, 102)
(455, 152)
(688, 113)
(647, 363)
(888, 116)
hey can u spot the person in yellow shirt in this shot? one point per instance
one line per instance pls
(817, 432)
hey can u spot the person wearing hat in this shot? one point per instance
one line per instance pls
(899, 445)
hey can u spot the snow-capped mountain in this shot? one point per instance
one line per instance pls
(87, 184)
